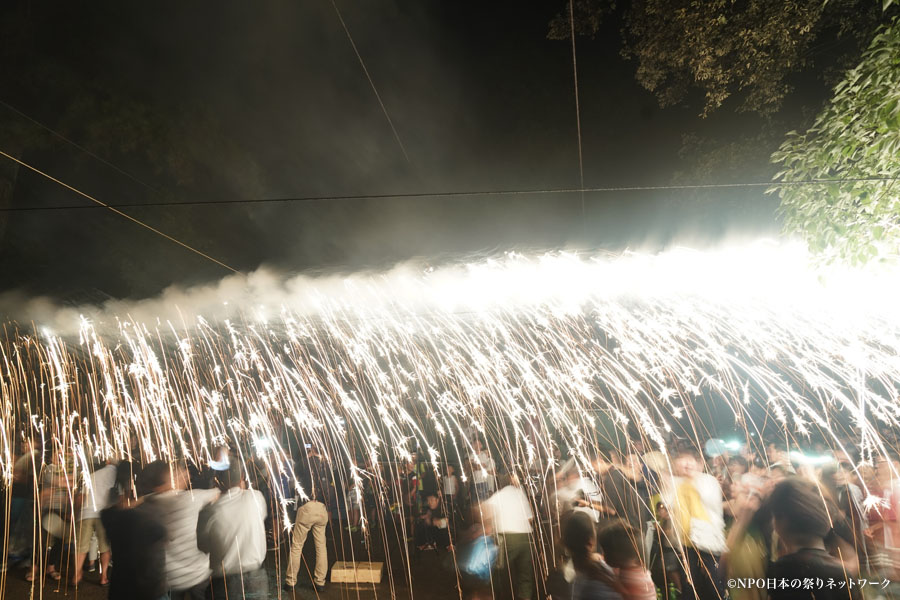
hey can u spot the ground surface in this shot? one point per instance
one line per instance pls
(430, 577)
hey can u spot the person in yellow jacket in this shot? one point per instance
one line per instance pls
(700, 526)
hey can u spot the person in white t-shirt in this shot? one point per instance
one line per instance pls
(95, 496)
(233, 532)
(508, 514)
(178, 509)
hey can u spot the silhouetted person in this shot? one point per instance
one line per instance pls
(137, 539)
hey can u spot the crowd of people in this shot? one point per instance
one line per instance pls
(631, 525)
(780, 524)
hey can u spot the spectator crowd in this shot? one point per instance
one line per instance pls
(621, 525)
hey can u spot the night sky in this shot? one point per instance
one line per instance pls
(268, 100)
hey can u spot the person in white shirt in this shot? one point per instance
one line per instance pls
(94, 497)
(508, 513)
(178, 509)
(232, 531)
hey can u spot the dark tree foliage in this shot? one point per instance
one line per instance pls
(856, 136)
(746, 51)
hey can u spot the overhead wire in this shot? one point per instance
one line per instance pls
(362, 63)
(101, 204)
(80, 147)
(440, 195)
(577, 109)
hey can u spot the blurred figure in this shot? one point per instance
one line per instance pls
(137, 539)
(232, 530)
(622, 551)
(452, 499)
(55, 522)
(887, 473)
(509, 514)
(95, 496)
(662, 547)
(749, 543)
(700, 524)
(187, 567)
(483, 475)
(312, 515)
(802, 523)
(594, 580)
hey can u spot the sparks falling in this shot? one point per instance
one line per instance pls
(535, 353)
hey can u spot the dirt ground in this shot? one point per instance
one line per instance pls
(432, 580)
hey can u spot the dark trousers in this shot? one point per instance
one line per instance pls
(249, 585)
(515, 551)
(704, 570)
(198, 592)
(429, 534)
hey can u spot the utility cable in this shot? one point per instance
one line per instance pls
(118, 212)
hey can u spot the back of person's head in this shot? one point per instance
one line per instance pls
(738, 461)
(580, 538)
(578, 535)
(232, 477)
(155, 476)
(618, 543)
(798, 510)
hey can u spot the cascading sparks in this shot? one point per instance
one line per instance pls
(535, 353)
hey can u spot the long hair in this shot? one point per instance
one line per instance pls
(579, 536)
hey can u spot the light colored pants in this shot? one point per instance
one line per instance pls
(312, 515)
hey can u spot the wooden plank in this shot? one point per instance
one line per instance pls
(356, 572)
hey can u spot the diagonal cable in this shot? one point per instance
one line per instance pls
(371, 83)
(118, 212)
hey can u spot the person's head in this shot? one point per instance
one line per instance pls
(451, 470)
(432, 501)
(687, 464)
(156, 477)
(506, 479)
(799, 513)
(886, 468)
(233, 477)
(737, 466)
(844, 474)
(478, 444)
(662, 513)
(619, 544)
(601, 462)
(633, 465)
(578, 535)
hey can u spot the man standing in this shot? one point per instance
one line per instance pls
(187, 568)
(94, 497)
(138, 540)
(311, 516)
(509, 515)
(233, 532)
